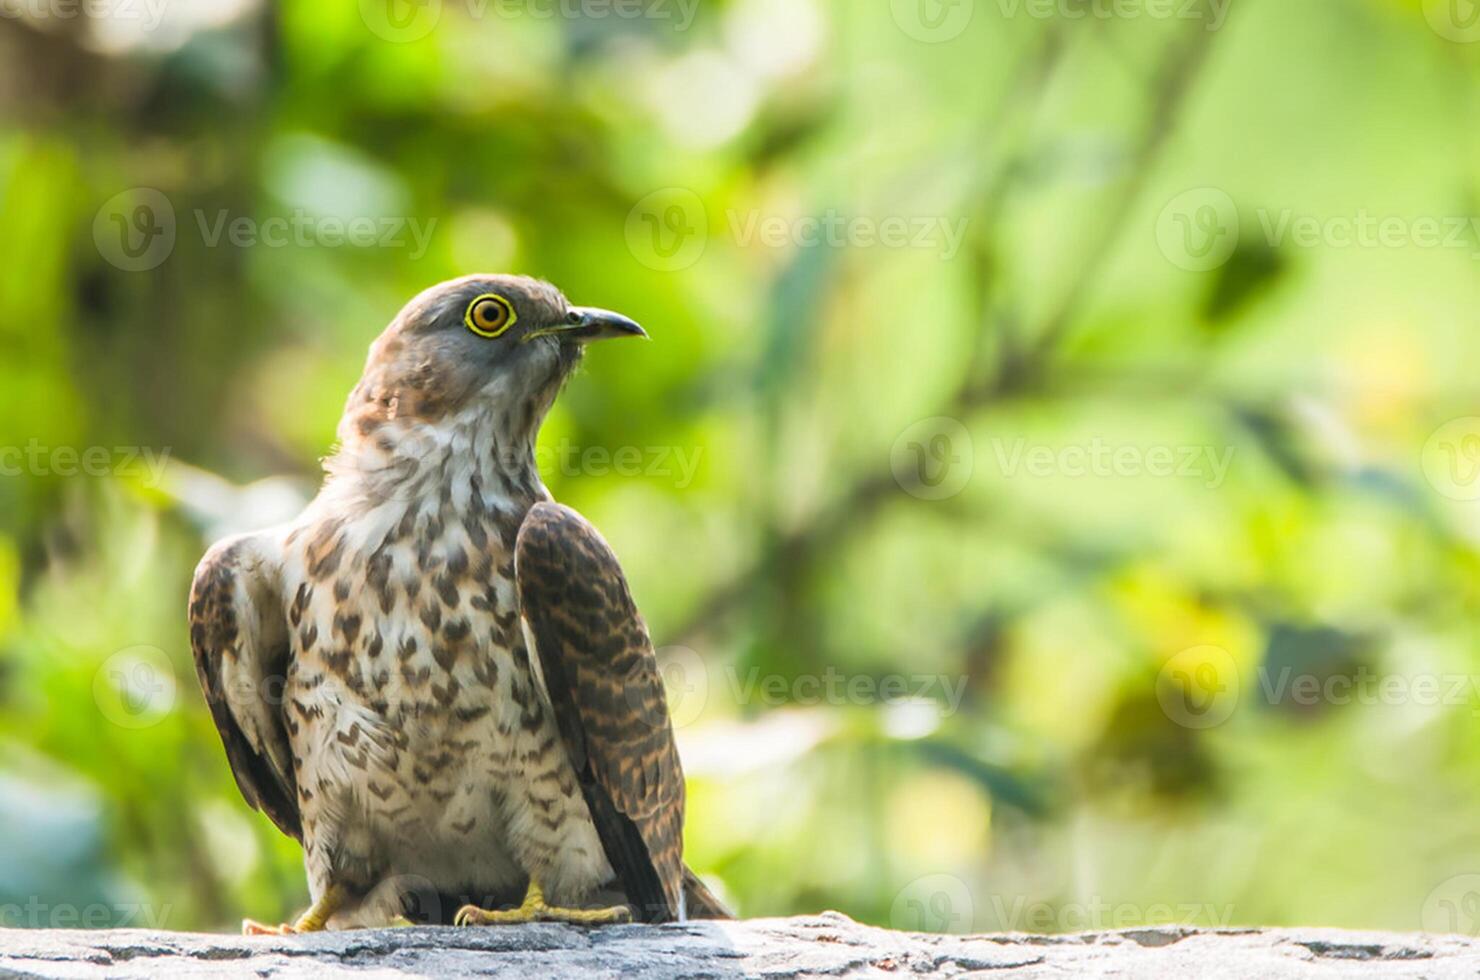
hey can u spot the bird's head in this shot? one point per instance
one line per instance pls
(487, 351)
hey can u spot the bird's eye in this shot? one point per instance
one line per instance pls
(490, 315)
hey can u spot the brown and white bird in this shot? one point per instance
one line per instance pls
(436, 678)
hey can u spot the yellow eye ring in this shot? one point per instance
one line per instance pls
(490, 315)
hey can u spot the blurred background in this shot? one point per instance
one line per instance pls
(1054, 479)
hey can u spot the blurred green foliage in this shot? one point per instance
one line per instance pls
(637, 162)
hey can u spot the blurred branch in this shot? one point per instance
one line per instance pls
(1031, 81)
(863, 500)
(1177, 79)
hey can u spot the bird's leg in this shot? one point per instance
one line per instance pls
(313, 920)
(534, 909)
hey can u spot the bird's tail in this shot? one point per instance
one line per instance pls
(699, 901)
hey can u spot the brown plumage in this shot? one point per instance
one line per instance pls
(265, 778)
(602, 676)
(435, 678)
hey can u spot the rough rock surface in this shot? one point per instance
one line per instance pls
(825, 945)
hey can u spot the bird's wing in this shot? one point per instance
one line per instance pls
(601, 677)
(239, 634)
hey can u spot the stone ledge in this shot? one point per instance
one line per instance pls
(812, 946)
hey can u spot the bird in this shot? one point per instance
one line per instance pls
(436, 678)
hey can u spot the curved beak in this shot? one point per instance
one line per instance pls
(589, 323)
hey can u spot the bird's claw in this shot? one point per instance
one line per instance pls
(534, 909)
(472, 915)
(316, 919)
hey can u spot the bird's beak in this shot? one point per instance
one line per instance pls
(587, 323)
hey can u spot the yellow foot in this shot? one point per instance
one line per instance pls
(534, 909)
(313, 920)
(251, 927)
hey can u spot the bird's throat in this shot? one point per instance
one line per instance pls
(476, 451)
